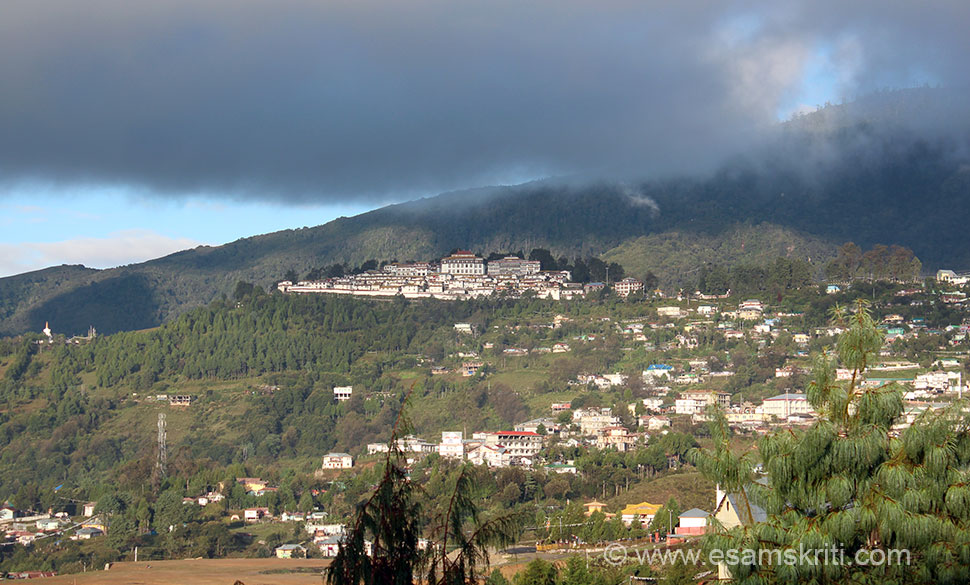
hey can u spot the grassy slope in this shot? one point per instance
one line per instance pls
(689, 488)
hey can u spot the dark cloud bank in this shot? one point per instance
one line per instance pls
(320, 100)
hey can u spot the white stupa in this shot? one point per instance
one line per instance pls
(47, 331)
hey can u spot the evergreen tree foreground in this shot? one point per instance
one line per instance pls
(855, 481)
(385, 547)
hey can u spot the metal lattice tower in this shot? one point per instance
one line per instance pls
(161, 462)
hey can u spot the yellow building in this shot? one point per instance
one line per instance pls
(644, 510)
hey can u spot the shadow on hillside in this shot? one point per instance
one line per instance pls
(119, 303)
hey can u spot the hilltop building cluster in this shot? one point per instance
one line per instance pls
(461, 275)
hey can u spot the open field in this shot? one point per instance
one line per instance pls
(203, 572)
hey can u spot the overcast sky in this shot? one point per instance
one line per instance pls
(132, 129)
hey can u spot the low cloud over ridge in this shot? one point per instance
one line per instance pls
(305, 100)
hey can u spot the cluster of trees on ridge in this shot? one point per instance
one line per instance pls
(896, 263)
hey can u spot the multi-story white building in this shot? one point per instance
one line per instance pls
(592, 421)
(751, 309)
(337, 461)
(406, 270)
(785, 405)
(513, 266)
(516, 443)
(939, 381)
(464, 263)
(628, 286)
(616, 438)
(697, 401)
(452, 445)
(341, 393)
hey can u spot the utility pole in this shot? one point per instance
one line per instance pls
(161, 462)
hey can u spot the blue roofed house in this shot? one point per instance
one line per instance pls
(657, 371)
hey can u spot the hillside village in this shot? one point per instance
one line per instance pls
(461, 275)
(675, 359)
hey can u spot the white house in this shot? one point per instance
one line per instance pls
(693, 521)
(628, 286)
(671, 312)
(88, 533)
(452, 445)
(330, 546)
(751, 309)
(337, 461)
(655, 423)
(785, 405)
(490, 455)
(697, 401)
(341, 393)
(8, 512)
(289, 551)
(255, 514)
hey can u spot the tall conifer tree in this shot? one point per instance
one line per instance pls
(852, 481)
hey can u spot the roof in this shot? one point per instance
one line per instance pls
(519, 433)
(594, 504)
(758, 513)
(337, 455)
(289, 547)
(787, 396)
(659, 367)
(642, 509)
(695, 513)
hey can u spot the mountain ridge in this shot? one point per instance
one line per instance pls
(828, 177)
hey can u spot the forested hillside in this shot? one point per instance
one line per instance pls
(263, 370)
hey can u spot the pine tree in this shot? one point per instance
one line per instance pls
(665, 520)
(393, 519)
(850, 482)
